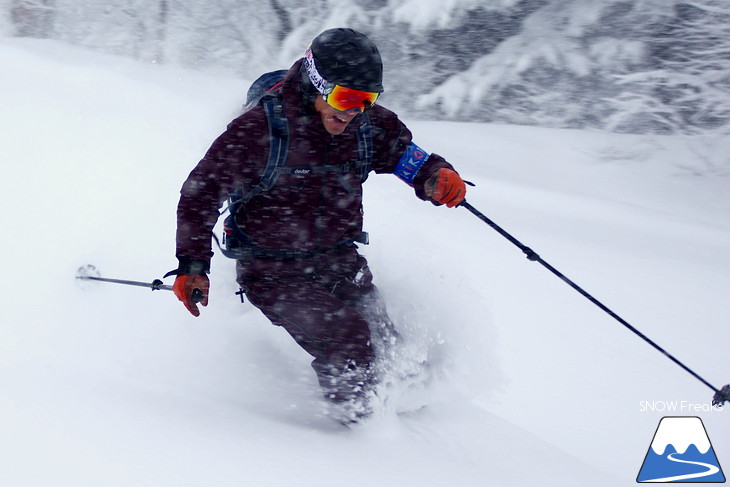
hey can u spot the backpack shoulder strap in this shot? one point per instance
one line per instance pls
(365, 146)
(278, 145)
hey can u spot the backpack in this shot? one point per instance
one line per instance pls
(266, 91)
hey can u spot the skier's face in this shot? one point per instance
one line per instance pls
(335, 122)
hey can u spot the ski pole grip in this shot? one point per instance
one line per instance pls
(721, 397)
(196, 296)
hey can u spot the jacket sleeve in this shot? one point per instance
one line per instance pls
(394, 147)
(229, 163)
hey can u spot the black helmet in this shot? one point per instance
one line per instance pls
(348, 58)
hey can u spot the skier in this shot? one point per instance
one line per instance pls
(304, 271)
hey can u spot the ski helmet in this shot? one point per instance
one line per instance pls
(348, 58)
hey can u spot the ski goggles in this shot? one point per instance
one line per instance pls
(346, 99)
(337, 96)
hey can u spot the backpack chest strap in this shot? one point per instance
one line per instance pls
(338, 169)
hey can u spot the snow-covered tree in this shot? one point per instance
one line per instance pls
(224, 34)
(424, 43)
(6, 26)
(33, 18)
(134, 28)
(558, 70)
(659, 66)
(644, 66)
(687, 86)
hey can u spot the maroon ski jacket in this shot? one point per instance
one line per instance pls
(308, 212)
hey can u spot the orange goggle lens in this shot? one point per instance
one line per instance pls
(344, 99)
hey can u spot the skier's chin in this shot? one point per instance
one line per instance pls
(335, 125)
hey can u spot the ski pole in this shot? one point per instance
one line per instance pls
(155, 285)
(721, 395)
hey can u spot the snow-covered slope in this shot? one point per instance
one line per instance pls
(533, 385)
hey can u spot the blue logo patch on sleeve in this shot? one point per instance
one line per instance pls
(410, 163)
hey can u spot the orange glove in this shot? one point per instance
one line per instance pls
(446, 188)
(192, 289)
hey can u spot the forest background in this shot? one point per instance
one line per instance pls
(637, 66)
